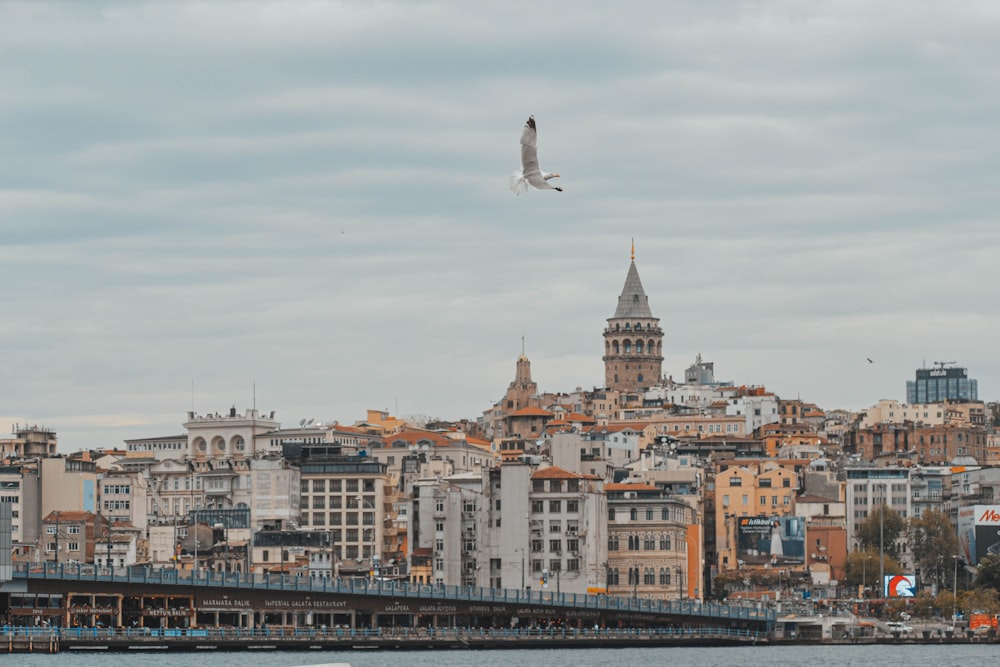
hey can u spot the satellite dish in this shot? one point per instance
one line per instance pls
(302, 422)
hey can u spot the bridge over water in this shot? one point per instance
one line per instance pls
(147, 601)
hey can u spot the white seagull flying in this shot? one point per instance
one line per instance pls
(530, 174)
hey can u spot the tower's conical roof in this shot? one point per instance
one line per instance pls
(633, 301)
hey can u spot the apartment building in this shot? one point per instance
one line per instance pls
(654, 544)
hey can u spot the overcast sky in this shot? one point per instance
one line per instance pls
(311, 198)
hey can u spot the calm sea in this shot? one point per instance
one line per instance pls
(750, 656)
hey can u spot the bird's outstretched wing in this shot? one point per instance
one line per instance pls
(529, 151)
(530, 173)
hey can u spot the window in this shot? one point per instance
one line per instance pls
(319, 486)
(439, 526)
(736, 481)
(555, 546)
(555, 527)
(763, 500)
(572, 505)
(537, 506)
(555, 506)
(73, 530)
(439, 505)
(765, 483)
(537, 545)
(725, 502)
(73, 546)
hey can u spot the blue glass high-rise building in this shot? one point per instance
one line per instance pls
(936, 385)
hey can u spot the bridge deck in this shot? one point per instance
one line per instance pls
(710, 614)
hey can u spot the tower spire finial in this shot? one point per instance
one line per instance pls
(633, 249)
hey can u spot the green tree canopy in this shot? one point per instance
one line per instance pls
(988, 573)
(884, 526)
(863, 569)
(934, 542)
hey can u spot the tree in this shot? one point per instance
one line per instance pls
(863, 569)
(988, 573)
(933, 541)
(884, 526)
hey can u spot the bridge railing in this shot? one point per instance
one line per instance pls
(334, 634)
(390, 588)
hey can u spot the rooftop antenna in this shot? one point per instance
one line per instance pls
(522, 346)
(192, 394)
(255, 396)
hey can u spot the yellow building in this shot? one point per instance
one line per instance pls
(758, 488)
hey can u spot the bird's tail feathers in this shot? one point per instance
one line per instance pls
(518, 184)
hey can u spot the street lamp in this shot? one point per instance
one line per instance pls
(881, 543)
(864, 575)
(954, 594)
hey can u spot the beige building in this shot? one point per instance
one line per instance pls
(124, 498)
(69, 483)
(347, 497)
(29, 442)
(894, 412)
(654, 544)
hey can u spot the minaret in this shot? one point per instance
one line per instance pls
(633, 340)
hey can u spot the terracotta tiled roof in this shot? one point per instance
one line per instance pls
(530, 412)
(414, 436)
(555, 472)
(67, 517)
